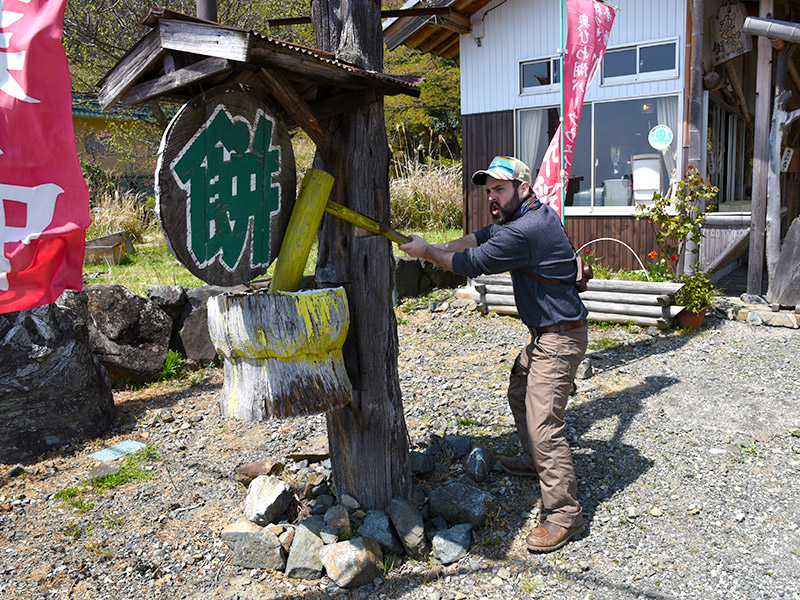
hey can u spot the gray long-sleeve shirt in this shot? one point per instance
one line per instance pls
(536, 241)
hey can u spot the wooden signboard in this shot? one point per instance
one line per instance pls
(726, 32)
(225, 185)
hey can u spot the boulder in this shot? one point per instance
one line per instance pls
(254, 547)
(407, 520)
(450, 545)
(267, 499)
(192, 338)
(460, 503)
(353, 562)
(456, 446)
(378, 527)
(52, 389)
(479, 463)
(129, 334)
(169, 298)
(420, 463)
(304, 561)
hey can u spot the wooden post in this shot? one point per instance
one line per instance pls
(758, 211)
(368, 439)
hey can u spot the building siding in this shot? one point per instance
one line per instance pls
(528, 29)
(484, 137)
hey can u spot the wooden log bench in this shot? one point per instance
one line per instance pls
(645, 303)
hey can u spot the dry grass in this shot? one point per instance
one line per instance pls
(426, 196)
(121, 211)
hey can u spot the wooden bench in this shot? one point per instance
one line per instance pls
(646, 303)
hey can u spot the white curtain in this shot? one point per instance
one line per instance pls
(531, 149)
(668, 115)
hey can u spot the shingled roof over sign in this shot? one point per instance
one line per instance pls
(183, 56)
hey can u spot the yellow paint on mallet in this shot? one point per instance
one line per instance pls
(306, 217)
(301, 231)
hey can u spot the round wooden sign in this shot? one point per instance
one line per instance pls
(225, 185)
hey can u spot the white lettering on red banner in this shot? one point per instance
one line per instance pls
(589, 24)
(44, 201)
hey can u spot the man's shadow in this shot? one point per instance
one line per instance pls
(604, 463)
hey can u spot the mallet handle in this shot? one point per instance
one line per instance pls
(365, 222)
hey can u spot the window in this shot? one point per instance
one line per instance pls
(540, 75)
(640, 63)
(626, 150)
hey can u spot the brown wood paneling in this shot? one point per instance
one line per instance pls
(613, 255)
(487, 135)
(484, 136)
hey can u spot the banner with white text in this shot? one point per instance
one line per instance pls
(589, 24)
(44, 200)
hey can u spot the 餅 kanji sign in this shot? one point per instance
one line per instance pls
(225, 186)
(44, 201)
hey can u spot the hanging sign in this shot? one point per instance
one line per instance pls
(726, 33)
(660, 137)
(225, 185)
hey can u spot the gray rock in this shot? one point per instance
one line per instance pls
(457, 446)
(459, 503)
(127, 333)
(407, 520)
(192, 338)
(378, 527)
(253, 547)
(338, 518)
(585, 370)
(452, 544)
(353, 562)
(52, 389)
(267, 499)
(479, 463)
(169, 298)
(304, 561)
(348, 501)
(329, 534)
(420, 463)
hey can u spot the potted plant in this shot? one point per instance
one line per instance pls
(695, 296)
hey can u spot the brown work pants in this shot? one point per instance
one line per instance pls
(541, 381)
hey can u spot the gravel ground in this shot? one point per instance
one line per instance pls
(689, 478)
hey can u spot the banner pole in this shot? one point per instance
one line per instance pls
(563, 53)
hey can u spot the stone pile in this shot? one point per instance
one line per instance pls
(295, 522)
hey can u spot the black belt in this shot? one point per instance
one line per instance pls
(559, 327)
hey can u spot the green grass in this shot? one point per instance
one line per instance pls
(133, 468)
(151, 264)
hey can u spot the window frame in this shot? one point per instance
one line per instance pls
(542, 89)
(640, 76)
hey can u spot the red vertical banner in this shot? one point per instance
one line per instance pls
(44, 200)
(588, 26)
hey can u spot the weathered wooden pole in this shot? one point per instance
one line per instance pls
(368, 438)
(758, 210)
(207, 9)
(696, 139)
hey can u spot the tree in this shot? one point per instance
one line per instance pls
(368, 439)
(431, 125)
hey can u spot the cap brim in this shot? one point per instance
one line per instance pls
(479, 177)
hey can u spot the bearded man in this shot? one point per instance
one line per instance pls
(528, 240)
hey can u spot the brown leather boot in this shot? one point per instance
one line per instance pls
(549, 536)
(516, 466)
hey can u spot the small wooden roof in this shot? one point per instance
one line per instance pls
(183, 56)
(437, 34)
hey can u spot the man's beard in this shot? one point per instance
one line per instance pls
(505, 214)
